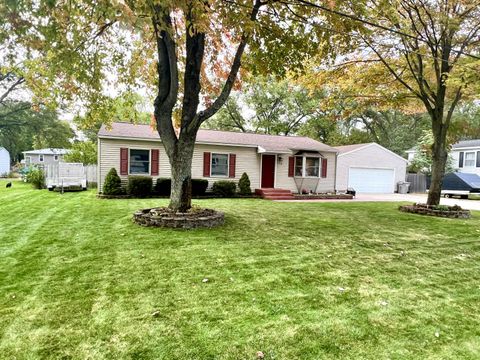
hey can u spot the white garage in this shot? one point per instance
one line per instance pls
(369, 168)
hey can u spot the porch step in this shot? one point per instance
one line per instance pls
(275, 194)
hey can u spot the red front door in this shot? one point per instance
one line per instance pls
(268, 171)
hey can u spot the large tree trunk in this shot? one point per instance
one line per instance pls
(181, 165)
(439, 160)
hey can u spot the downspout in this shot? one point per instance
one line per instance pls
(335, 174)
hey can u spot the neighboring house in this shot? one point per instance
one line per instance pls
(465, 156)
(4, 161)
(369, 168)
(285, 162)
(44, 156)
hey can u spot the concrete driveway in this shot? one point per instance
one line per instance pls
(419, 198)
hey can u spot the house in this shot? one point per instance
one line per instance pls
(4, 161)
(369, 168)
(465, 156)
(293, 163)
(44, 156)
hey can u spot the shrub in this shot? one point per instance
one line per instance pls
(113, 183)
(199, 186)
(244, 185)
(163, 186)
(139, 185)
(224, 188)
(36, 177)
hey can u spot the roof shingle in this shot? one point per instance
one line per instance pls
(269, 143)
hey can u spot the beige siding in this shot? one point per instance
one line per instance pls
(247, 160)
(372, 156)
(319, 185)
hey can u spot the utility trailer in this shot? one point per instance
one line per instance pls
(460, 184)
(66, 176)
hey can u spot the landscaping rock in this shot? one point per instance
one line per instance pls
(452, 212)
(164, 217)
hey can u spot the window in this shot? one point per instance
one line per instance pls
(312, 166)
(298, 166)
(469, 159)
(219, 165)
(307, 166)
(139, 161)
(55, 157)
(40, 157)
(28, 160)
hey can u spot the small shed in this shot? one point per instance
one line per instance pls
(369, 168)
(4, 161)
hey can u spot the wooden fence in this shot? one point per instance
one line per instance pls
(418, 183)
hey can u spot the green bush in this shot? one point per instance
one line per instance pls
(36, 177)
(163, 186)
(244, 185)
(224, 188)
(199, 187)
(113, 183)
(139, 185)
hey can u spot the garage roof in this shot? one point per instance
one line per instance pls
(347, 149)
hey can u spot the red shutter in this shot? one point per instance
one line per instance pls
(324, 168)
(123, 161)
(155, 162)
(291, 166)
(231, 165)
(206, 164)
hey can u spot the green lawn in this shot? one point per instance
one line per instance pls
(294, 280)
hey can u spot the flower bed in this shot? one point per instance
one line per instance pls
(322, 196)
(193, 218)
(198, 197)
(453, 212)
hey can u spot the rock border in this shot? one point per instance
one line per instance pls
(323, 196)
(453, 212)
(164, 217)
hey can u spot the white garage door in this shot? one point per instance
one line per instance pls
(368, 180)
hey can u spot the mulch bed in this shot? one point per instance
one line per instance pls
(452, 212)
(192, 219)
(198, 197)
(322, 196)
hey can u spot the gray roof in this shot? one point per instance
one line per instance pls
(347, 148)
(49, 151)
(267, 143)
(466, 143)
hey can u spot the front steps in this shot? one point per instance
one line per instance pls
(275, 194)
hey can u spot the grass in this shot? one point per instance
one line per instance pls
(78, 280)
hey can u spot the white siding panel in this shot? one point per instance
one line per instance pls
(4, 161)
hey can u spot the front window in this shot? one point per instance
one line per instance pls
(298, 166)
(28, 160)
(40, 158)
(139, 161)
(219, 165)
(312, 166)
(470, 159)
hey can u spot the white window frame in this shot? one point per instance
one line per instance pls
(28, 160)
(473, 160)
(228, 164)
(41, 158)
(304, 166)
(149, 162)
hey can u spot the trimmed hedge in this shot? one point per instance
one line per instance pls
(163, 186)
(244, 185)
(139, 185)
(113, 183)
(224, 188)
(199, 187)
